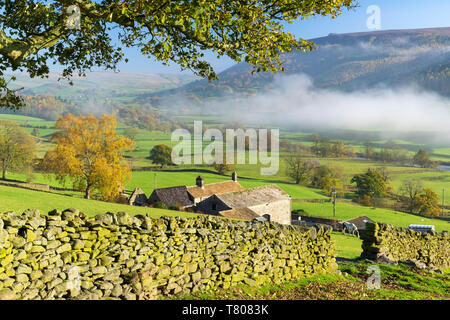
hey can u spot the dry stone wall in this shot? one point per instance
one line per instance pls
(402, 244)
(67, 255)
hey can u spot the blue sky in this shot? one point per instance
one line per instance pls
(395, 14)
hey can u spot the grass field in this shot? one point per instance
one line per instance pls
(345, 211)
(347, 246)
(18, 200)
(436, 180)
(25, 120)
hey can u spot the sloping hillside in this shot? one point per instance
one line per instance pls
(347, 62)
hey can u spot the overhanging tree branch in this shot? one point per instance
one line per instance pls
(32, 33)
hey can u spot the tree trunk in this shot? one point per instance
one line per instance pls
(87, 193)
(3, 172)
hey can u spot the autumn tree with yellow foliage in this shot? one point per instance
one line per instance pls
(427, 204)
(90, 153)
(17, 148)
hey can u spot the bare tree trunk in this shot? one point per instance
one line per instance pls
(87, 193)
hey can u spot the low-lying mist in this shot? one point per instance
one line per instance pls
(295, 103)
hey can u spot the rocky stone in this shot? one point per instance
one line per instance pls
(104, 218)
(99, 270)
(124, 219)
(70, 213)
(205, 273)
(78, 244)
(383, 259)
(162, 273)
(36, 274)
(117, 291)
(106, 285)
(7, 294)
(47, 276)
(112, 275)
(55, 212)
(37, 249)
(24, 269)
(196, 276)
(64, 248)
(18, 242)
(7, 260)
(30, 294)
(22, 277)
(4, 235)
(415, 264)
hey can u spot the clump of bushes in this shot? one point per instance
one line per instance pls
(159, 205)
(177, 207)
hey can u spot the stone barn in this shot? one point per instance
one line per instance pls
(269, 202)
(138, 198)
(172, 196)
(202, 191)
(360, 222)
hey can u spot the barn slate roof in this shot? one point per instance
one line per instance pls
(173, 195)
(253, 196)
(240, 213)
(359, 222)
(138, 198)
(214, 188)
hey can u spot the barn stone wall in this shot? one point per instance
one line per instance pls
(279, 211)
(402, 244)
(67, 255)
(205, 206)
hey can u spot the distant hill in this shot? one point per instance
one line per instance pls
(100, 85)
(346, 62)
(97, 93)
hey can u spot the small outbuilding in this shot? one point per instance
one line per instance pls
(138, 198)
(171, 196)
(360, 222)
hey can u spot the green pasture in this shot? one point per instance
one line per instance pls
(25, 120)
(20, 118)
(43, 133)
(355, 166)
(37, 178)
(347, 246)
(345, 211)
(441, 153)
(18, 200)
(436, 180)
